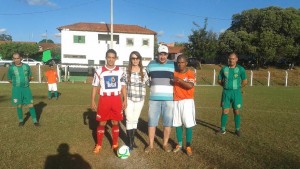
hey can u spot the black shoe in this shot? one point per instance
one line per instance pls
(21, 124)
(37, 124)
(238, 133)
(221, 132)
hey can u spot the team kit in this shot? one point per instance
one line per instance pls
(119, 93)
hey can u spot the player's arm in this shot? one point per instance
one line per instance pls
(183, 84)
(124, 96)
(244, 78)
(93, 103)
(30, 77)
(244, 83)
(9, 75)
(220, 78)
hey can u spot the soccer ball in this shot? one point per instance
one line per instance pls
(123, 152)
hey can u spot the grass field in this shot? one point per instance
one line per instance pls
(270, 133)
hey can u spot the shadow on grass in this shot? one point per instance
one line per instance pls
(38, 110)
(213, 127)
(3, 98)
(89, 118)
(65, 160)
(143, 127)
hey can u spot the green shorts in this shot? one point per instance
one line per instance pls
(232, 98)
(21, 95)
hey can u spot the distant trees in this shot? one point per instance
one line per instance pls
(26, 49)
(268, 33)
(46, 41)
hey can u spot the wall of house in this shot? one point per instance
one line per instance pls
(95, 51)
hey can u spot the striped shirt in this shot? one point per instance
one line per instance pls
(160, 76)
(136, 88)
(110, 80)
(19, 75)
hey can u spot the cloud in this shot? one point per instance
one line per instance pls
(57, 35)
(2, 30)
(180, 35)
(44, 35)
(160, 33)
(40, 3)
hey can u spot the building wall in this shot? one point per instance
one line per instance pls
(95, 51)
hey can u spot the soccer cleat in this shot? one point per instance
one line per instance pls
(148, 149)
(167, 148)
(177, 148)
(115, 147)
(189, 151)
(21, 124)
(221, 132)
(37, 124)
(97, 149)
(238, 133)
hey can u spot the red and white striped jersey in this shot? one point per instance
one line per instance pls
(110, 80)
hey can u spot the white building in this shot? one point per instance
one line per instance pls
(87, 43)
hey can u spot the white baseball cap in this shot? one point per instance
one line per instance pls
(163, 48)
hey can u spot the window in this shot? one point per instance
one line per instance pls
(101, 62)
(129, 42)
(78, 39)
(75, 56)
(106, 38)
(145, 42)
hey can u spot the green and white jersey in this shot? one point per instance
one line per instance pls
(19, 75)
(232, 77)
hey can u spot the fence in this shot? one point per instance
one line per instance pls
(205, 77)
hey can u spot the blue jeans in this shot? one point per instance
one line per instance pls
(156, 108)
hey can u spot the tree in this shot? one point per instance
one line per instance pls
(4, 37)
(202, 43)
(46, 41)
(25, 49)
(267, 33)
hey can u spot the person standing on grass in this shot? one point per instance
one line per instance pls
(52, 78)
(136, 81)
(19, 74)
(109, 82)
(184, 106)
(160, 72)
(232, 78)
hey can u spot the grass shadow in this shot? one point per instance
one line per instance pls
(38, 110)
(213, 127)
(64, 159)
(89, 118)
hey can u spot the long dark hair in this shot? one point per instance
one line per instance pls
(129, 68)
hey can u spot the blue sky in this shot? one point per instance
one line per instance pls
(32, 20)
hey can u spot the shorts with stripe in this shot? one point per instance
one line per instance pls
(109, 108)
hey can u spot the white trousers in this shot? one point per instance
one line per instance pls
(52, 87)
(133, 112)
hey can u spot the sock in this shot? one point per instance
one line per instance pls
(56, 94)
(49, 94)
(179, 135)
(100, 134)
(20, 114)
(189, 135)
(115, 134)
(33, 114)
(224, 121)
(237, 121)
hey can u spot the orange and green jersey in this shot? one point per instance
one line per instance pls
(51, 76)
(232, 77)
(19, 75)
(181, 93)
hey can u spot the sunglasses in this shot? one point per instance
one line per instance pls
(134, 58)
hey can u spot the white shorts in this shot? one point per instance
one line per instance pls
(52, 87)
(184, 113)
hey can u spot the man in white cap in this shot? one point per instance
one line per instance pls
(161, 73)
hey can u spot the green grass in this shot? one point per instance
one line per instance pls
(270, 132)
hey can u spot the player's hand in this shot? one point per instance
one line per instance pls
(124, 104)
(94, 106)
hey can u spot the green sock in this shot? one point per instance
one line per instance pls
(56, 94)
(33, 114)
(224, 118)
(49, 94)
(20, 114)
(189, 135)
(237, 121)
(179, 135)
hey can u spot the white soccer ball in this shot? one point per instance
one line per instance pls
(123, 152)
